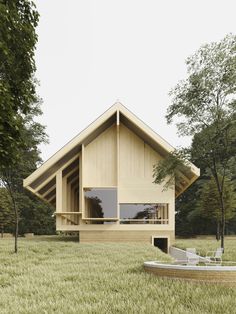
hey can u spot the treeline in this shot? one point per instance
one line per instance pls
(35, 216)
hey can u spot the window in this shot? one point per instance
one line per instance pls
(144, 213)
(100, 203)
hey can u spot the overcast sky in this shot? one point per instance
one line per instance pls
(92, 53)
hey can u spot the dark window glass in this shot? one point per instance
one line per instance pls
(144, 213)
(100, 203)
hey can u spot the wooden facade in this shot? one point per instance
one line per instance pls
(101, 183)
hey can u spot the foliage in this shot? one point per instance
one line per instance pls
(36, 216)
(101, 278)
(189, 218)
(19, 105)
(206, 104)
(168, 170)
(18, 20)
(208, 94)
(209, 200)
(11, 175)
(6, 212)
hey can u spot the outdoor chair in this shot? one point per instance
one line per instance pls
(215, 256)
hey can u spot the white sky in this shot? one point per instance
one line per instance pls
(92, 53)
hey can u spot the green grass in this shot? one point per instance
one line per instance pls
(50, 275)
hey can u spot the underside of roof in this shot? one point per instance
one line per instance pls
(42, 181)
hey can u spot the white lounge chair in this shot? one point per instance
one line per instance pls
(215, 256)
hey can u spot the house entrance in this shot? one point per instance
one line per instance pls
(161, 243)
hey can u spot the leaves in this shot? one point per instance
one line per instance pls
(18, 98)
(168, 170)
(204, 105)
(209, 91)
(209, 203)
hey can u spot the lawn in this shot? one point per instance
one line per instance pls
(51, 275)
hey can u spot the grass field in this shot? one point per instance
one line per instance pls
(51, 275)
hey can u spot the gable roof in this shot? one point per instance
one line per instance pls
(70, 151)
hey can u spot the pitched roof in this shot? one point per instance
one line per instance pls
(72, 148)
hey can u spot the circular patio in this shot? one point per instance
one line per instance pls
(207, 273)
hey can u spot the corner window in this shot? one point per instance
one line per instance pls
(144, 213)
(100, 203)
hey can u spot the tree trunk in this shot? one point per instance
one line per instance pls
(12, 195)
(218, 231)
(16, 225)
(223, 226)
(220, 188)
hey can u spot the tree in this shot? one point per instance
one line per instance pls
(209, 203)
(18, 98)
(205, 104)
(18, 20)
(11, 175)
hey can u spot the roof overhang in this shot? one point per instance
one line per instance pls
(42, 179)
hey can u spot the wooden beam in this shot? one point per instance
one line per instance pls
(51, 198)
(101, 219)
(118, 162)
(81, 167)
(68, 213)
(185, 188)
(48, 191)
(59, 191)
(183, 176)
(40, 186)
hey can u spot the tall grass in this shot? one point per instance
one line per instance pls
(53, 276)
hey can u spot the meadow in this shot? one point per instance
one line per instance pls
(61, 275)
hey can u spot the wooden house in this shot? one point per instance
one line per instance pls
(101, 182)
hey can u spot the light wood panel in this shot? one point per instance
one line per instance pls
(124, 236)
(137, 159)
(196, 275)
(100, 160)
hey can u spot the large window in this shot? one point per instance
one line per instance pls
(144, 213)
(100, 203)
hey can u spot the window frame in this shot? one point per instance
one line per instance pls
(108, 219)
(159, 221)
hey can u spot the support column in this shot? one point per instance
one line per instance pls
(59, 197)
(118, 161)
(81, 186)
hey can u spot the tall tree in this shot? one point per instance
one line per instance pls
(18, 98)
(11, 176)
(206, 105)
(18, 20)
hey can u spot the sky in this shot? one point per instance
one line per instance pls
(91, 54)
